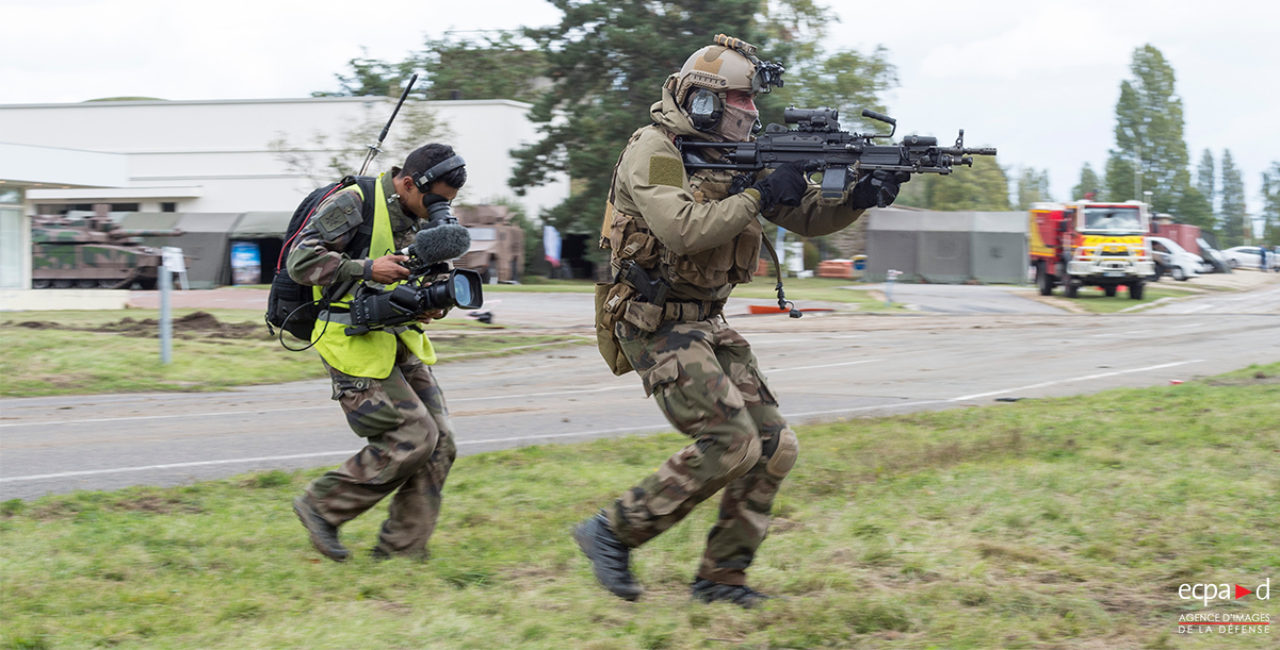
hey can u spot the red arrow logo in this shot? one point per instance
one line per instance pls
(1241, 592)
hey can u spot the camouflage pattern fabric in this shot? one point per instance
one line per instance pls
(313, 260)
(707, 383)
(409, 450)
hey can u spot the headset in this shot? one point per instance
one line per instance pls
(424, 180)
(705, 108)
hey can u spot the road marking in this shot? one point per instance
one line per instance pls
(148, 468)
(318, 454)
(552, 436)
(451, 400)
(1128, 333)
(461, 443)
(825, 365)
(1071, 379)
(158, 417)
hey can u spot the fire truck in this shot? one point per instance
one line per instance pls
(1089, 243)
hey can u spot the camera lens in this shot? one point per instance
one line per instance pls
(461, 290)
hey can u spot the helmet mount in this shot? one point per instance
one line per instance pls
(702, 85)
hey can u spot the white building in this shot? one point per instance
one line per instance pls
(230, 156)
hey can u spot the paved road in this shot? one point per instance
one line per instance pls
(822, 366)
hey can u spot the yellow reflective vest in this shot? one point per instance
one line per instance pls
(372, 354)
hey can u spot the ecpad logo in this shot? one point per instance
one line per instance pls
(1208, 592)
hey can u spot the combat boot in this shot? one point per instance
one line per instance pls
(741, 595)
(324, 535)
(610, 558)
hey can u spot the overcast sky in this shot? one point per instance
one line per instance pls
(1038, 79)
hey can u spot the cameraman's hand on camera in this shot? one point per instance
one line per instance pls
(388, 269)
(427, 316)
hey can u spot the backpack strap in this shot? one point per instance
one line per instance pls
(359, 245)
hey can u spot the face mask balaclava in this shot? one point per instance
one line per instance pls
(739, 117)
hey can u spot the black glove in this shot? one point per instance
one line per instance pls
(785, 186)
(877, 189)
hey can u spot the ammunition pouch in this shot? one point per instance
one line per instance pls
(612, 299)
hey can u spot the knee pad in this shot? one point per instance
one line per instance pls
(784, 455)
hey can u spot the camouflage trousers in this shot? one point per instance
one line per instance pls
(707, 383)
(408, 451)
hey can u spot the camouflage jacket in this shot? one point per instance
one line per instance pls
(315, 261)
(706, 240)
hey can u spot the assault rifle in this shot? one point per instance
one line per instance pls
(818, 143)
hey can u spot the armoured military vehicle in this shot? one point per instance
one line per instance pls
(497, 244)
(91, 252)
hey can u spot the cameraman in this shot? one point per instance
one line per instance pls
(381, 378)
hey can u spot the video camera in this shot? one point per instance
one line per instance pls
(429, 256)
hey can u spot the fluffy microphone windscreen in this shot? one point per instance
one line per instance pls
(442, 243)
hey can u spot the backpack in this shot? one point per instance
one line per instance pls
(291, 307)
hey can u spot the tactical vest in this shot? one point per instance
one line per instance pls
(689, 287)
(372, 354)
(705, 275)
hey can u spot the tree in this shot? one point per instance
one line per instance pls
(1089, 183)
(984, 187)
(1150, 154)
(1033, 187)
(494, 67)
(373, 78)
(607, 60)
(1205, 181)
(1271, 205)
(1195, 209)
(1231, 228)
(846, 81)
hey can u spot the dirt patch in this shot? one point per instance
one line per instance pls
(196, 325)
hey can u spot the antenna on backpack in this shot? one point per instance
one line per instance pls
(374, 149)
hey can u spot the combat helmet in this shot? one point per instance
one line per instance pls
(701, 85)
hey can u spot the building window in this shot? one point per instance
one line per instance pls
(168, 206)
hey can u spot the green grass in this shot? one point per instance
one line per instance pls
(101, 352)
(1040, 524)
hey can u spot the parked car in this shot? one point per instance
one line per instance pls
(1249, 257)
(1214, 260)
(1177, 262)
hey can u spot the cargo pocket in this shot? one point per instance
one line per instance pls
(665, 372)
(369, 412)
(674, 482)
(766, 393)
